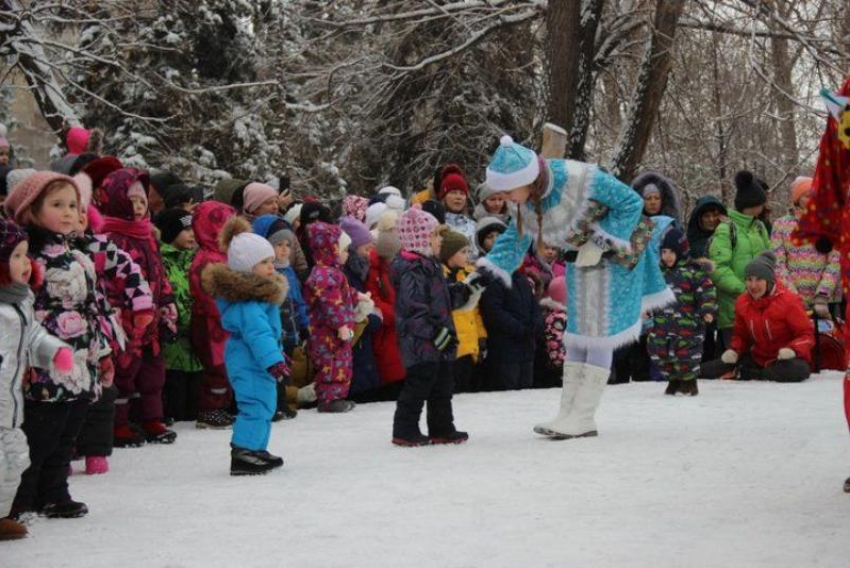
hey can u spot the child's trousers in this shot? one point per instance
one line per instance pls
(256, 399)
(144, 375)
(431, 382)
(14, 460)
(97, 434)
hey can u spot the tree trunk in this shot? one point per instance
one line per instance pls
(783, 90)
(591, 14)
(648, 92)
(562, 51)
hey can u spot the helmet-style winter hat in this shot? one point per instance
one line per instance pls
(485, 192)
(358, 232)
(114, 195)
(208, 221)
(255, 194)
(675, 240)
(11, 235)
(511, 166)
(415, 228)
(763, 266)
(324, 239)
(453, 241)
(172, 222)
(452, 179)
(244, 248)
(485, 226)
(750, 191)
(24, 193)
(800, 187)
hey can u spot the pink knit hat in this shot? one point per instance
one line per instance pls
(77, 140)
(415, 228)
(255, 194)
(800, 187)
(355, 206)
(18, 204)
(558, 290)
(4, 143)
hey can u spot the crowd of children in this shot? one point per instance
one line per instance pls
(128, 301)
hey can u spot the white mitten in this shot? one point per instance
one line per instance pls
(306, 394)
(363, 309)
(729, 357)
(786, 353)
(589, 254)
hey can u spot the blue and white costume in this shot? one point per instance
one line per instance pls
(607, 297)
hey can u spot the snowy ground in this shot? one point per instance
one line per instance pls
(745, 475)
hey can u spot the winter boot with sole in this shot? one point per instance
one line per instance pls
(689, 388)
(337, 406)
(571, 378)
(673, 387)
(65, 510)
(214, 420)
(11, 529)
(580, 423)
(248, 462)
(455, 437)
(157, 433)
(96, 465)
(413, 441)
(125, 436)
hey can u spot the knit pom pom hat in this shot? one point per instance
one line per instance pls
(18, 204)
(387, 243)
(750, 191)
(77, 140)
(512, 166)
(800, 187)
(374, 213)
(415, 228)
(244, 249)
(452, 179)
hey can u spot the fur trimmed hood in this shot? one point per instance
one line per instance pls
(220, 281)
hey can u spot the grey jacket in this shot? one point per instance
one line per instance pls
(23, 342)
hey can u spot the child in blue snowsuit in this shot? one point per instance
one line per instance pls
(248, 292)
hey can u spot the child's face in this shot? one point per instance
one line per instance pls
(549, 253)
(265, 268)
(489, 240)
(495, 204)
(455, 201)
(342, 255)
(365, 250)
(20, 267)
(140, 207)
(268, 207)
(186, 240)
(757, 287)
(282, 250)
(5, 152)
(668, 257)
(460, 258)
(58, 211)
(652, 203)
(436, 242)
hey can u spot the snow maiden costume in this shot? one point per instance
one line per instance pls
(615, 278)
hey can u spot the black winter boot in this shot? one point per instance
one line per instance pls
(455, 437)
(65, 510)
(847, 485)
(248, 462)
(411, 441)
(672, 387)
(689, 388)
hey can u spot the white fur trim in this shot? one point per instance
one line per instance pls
(472, 302)
(506, 182)
(629, 335)
(657, 300)
(552, 305)
(499, 273)
(621, 244)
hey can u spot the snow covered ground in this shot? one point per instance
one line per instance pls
(745, 475)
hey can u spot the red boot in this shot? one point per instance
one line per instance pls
(127, 437)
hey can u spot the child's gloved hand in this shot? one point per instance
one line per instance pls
(729, 357)
(345, 333)
(63, 360)
(107, 372)
(476, 281)
(281, 373)
(786, 353)
(444, 339)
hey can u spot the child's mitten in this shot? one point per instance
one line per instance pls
(63, 360)
(281, 373)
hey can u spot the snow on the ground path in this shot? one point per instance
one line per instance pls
(745, 475)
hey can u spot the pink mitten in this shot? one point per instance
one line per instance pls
(63, 360)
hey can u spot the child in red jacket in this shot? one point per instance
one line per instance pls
(123, 200)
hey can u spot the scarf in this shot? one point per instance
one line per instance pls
(142, 230)
(14, 293)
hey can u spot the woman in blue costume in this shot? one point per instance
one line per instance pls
(615, 278)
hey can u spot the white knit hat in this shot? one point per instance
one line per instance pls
(374, 212)
(246, 250)
(390, 190)
(395, 202)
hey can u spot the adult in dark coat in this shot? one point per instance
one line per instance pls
(703, 221)
(660, 196)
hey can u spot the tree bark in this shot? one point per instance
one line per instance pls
(562, 51)
(783, 90)
(590, 17)
(649, 90)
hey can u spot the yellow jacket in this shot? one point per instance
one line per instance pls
(468, 324)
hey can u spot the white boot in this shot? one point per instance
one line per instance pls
(579, 422)
(571, 378)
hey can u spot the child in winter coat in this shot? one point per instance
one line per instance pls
(426, 332)
(249, 292)
(773, 337)
(453, 192)
(471, 334)
(183, 370)
(365, 379)
(491, 204)
(293, 310)
(385, 344)
(554, 324)
(123, 200)
(205, 333)
(23, 341)
(676, 332)
(330, 304)
(513, 320)
(487, 230)
(67, 306)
